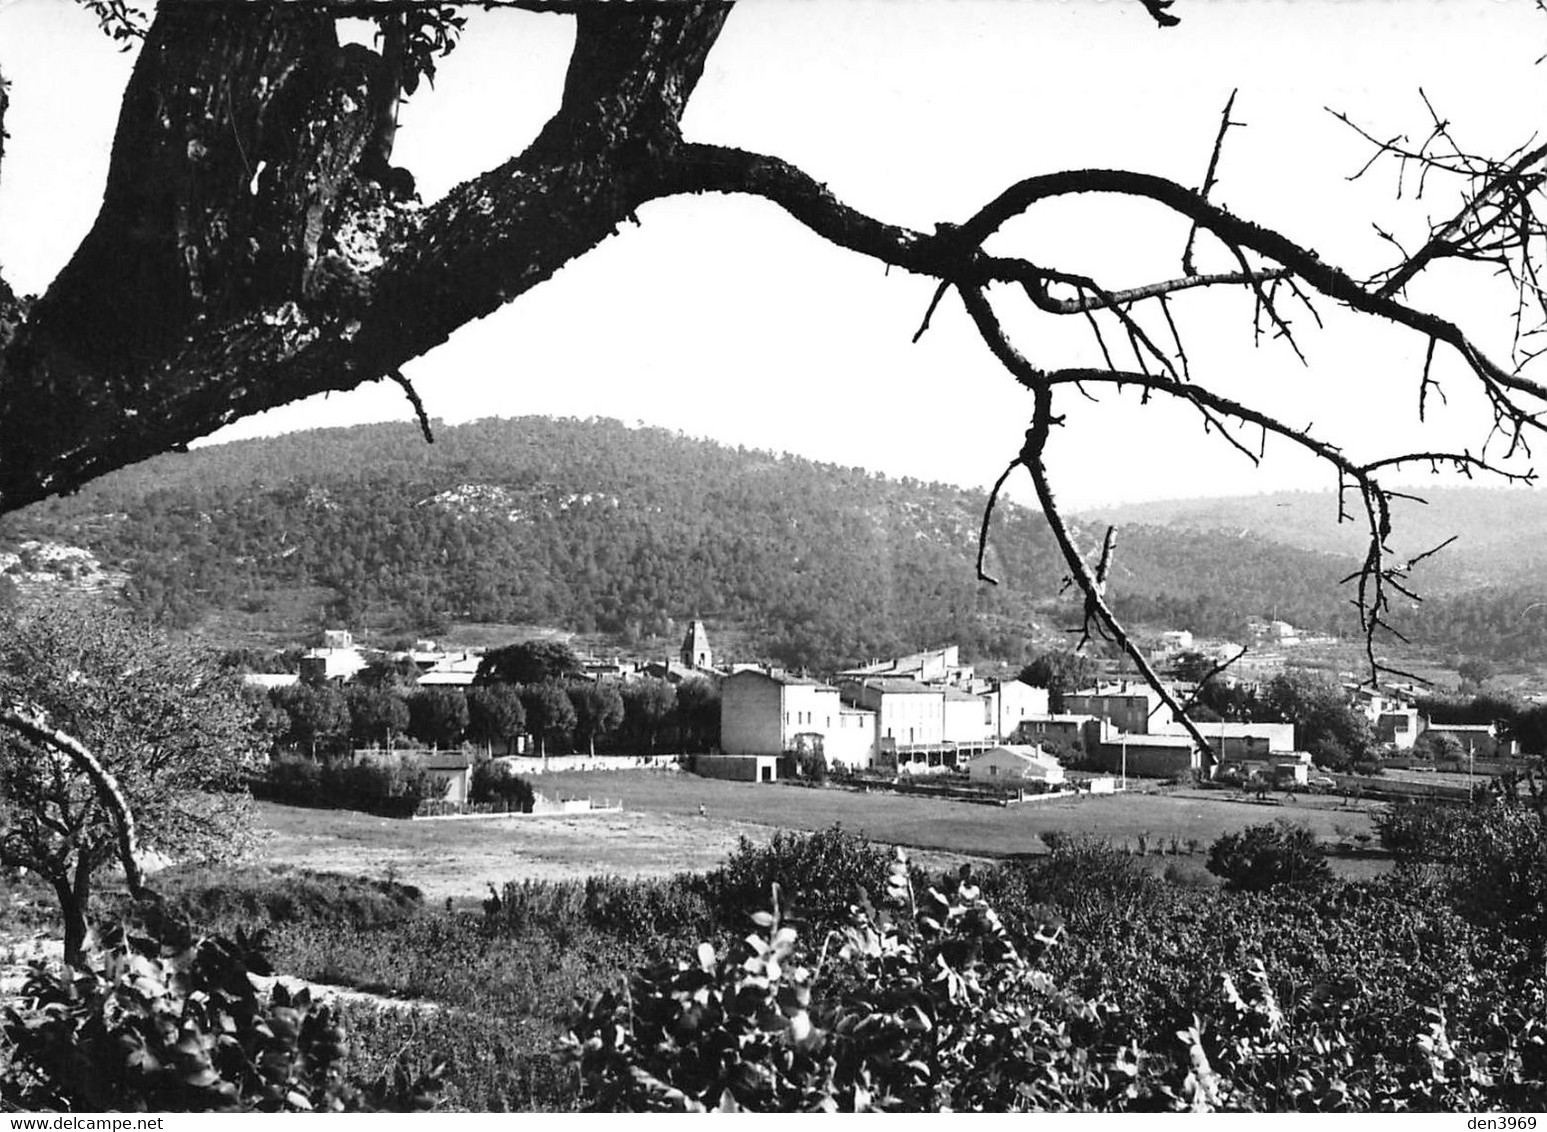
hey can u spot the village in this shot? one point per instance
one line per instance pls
(923, 715)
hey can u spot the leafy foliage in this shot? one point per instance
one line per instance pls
(174, 734)
(390, 785)
(495, 780)
(183, 1031)
(927, 1009)
(1262, 856)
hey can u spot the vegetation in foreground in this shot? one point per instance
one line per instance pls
(819, 972)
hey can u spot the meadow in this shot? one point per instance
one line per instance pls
(661, 831)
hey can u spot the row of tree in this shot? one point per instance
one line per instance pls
(558, 715)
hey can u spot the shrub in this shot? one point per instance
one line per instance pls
(818, 872)
(1491, 857)
(495, 780)
(189, 902)
(1262, 856)
(925, 1007)
(182, 1030)
(391, 786)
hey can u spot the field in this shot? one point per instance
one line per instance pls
(662, 832)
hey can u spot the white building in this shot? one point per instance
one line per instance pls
(1007, 703)
(965, 718)
(1014, 765)
(770, 713)
(908, 713)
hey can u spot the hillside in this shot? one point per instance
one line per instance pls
(1501, 533)
(1483, 595)
(625, 532)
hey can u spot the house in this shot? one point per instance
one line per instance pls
(1007, 703)
(456, 768)
(332, 662)
(1064, 732)
(1478, 740)
(965, 717)
(1398, 727)
(908, 713)
(1134, 708)
(1149, 756)
(1233, 740)
(1015, 765)
(938, 666)
(769, 713)
(451, 670)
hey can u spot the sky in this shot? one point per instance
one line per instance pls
(722, 317)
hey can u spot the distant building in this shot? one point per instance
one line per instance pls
(1007, 703)
(1398, 727)
(695, 647)
(772, 713)
(1015, 764)
(907, 712)
(452, 670)
(1478, 740)
(937, 666)
(1245, 740)
(337, 661)
(269, 680)
(1149, 756)
(1134, 708)
(965, 719)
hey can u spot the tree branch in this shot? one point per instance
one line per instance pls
(365, 283)
(34, 725)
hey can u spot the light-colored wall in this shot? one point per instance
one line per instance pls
(853, 741)
(911, 718)
(1000, 765)
(808, 709)
(1010, 703)
(965, 721)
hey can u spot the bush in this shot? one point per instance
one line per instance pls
(1491, 857)
(1262, 856)
(183, 1031)
(391, 786)
(625, 908)
(925, 1007)
(496, 781)
(189, 902)
(818, 872)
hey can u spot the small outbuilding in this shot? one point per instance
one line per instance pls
(1014, 764)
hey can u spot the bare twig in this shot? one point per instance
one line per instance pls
(1208, 179)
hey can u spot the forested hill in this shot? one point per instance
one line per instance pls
(1501, 533)
(597, 527)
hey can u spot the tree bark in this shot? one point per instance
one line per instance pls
(72, 906)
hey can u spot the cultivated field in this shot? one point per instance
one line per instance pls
(661, 831)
